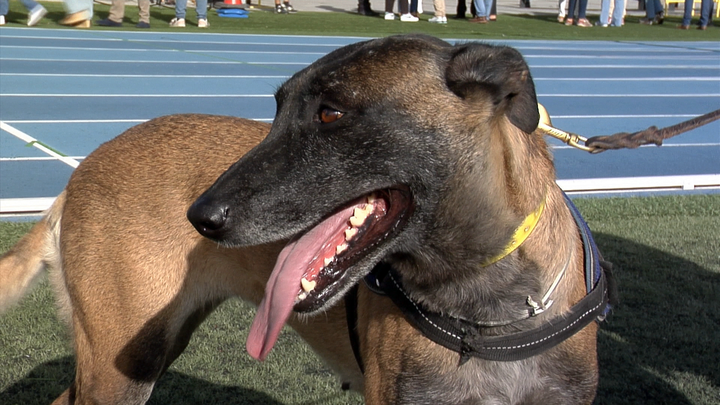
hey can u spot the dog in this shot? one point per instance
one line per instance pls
(441, 178)
(132, 276)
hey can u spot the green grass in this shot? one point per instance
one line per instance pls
(660, 346)
(351, 24)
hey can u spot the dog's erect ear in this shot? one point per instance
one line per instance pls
(500, 71)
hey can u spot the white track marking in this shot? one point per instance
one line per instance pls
(34, 142)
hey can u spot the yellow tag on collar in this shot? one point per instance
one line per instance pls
(521, 233)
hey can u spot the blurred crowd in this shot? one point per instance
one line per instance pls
(79, 13)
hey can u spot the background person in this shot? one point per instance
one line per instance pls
(35, 11)
(181, 8)
(78, 13)
(706, 7)
(117, 12)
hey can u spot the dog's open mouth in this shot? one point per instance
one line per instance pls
(313, 267)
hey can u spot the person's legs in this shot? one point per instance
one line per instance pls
(439, 6)
(582, 9)
(403, 6)
(201, 9)
(117, 11)
(480, 8)
(488, 7)
(79, 6)
(687, 14)
(571, 12)
(4, 7)
(144, 11)
(706, 7)
(29, 4)
(618, 13)
(650, 9)
(180, 9)
(604, 12)
(562, 5)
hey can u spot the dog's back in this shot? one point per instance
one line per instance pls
(132, 275)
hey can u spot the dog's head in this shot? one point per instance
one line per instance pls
(362, 152)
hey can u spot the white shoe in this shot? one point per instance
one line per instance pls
(36, 14)
(389, 16)
(177, 22)
(203, 23)
(2, 20)
(438, 20)
(408, 18)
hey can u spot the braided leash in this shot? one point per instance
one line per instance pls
(623, 140)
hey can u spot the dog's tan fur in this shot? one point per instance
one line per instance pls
(454, 151)
(140, 279)
(132, 275)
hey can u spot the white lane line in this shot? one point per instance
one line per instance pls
(255, 77)
(620, 116)
(640, 184)
(139, 95)
(215, 62)
(110, 76)
(34, 142)
(624, 79)
(632, 95)
(173, 50)
(37, 158)
(176, 62)
(172, 42)
(710, 95)
(110, 121)
(616, 185)
(664, 145)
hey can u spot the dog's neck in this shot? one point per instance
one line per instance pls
(465, 272)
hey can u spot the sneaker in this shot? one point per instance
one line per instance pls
(408, 18)
(203, 23)
(290, 9)
(646, 21)
(177, 22)
(108, 23)
(142, 24)
(600, 24)
(279, 9)
(438, 20)
(389, 16)
(2, 20)
(36, 14)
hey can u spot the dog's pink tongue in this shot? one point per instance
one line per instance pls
(284, 284)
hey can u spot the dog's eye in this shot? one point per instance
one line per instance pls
(328, 115)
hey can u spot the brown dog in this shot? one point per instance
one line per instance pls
(440, 178)
(132, 275)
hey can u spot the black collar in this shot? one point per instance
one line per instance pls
(467, 338)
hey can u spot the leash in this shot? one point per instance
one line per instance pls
(624, 140)
(468, 339)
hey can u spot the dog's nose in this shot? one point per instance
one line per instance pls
(210, 219)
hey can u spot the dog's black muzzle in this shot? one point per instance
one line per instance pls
(209, 217)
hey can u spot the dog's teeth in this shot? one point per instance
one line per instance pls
(327, 261)
(359, 216)
(307, 286)
(302, 296)
(350, 233)
(341, 248)
(371, 199)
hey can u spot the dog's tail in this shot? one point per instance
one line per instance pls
(21, 266)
